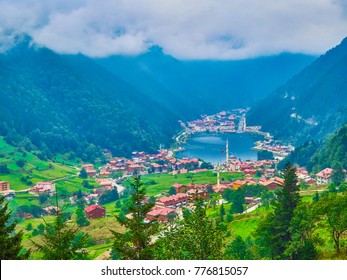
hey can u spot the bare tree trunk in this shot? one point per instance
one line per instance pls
(336, 237)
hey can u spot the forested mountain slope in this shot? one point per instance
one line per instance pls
(311, 104)
(70, 103)
(189, 88)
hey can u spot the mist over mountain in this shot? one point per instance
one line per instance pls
(67, 104)
(192, 87)
(311, 104)
(75, 104)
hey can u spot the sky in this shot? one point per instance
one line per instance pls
(185, 29)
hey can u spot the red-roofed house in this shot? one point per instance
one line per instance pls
(270, 171)
(95, 212)
(249, 171)
(238, 184)
(89, 168)
(161, 214)
(52, 210)
(200, 170)
(43, 188)
(134, 168)
(180, 188)
(324, 176)
(220, 188)
(252, 200)
(104, 183)
(4, 186)
(250, 181)
(198, 194)
(273, 183)
(172, 201)
(156, 168)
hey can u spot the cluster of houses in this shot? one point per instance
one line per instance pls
(250, 167)
(166, 207)
(41, 188)
(279, 150)
(222, 122)
(235, 121)
(93, 197)
(142, 163)
(89, 168)
(164, 162)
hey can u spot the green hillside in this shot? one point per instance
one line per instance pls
(34, 169)
(63, 104)
(333, 152)
(187, 87)
(319, 155)
(311, 104)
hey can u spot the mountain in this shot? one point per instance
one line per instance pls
(240, 83)
(77, 105)
(162, 78)
(322, 154)
(311, 104)
(190, 88)
(70, 103)
(333, 152)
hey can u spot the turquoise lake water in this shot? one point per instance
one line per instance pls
(211, 147)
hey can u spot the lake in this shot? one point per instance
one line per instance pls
(211, 147)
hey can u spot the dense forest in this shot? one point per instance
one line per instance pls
(74, 105)
(187, 87)
(311, 104)
(69, 104)
(332, 152)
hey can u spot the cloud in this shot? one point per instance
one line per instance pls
(186, 29)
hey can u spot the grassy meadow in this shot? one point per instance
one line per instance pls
(159, 183)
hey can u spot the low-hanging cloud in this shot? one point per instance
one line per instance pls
(186, 29)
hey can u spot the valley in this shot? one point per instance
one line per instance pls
(163, 173)
(77, 132)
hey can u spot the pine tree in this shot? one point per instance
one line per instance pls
(302, 229)
(238, 200)
(135, 243)
(315, 197)
(83, 174)
(10, 242)
(61, 241)
(273, 234)
(81, 219)
(238, 249)
(197, 237)
(222, 212)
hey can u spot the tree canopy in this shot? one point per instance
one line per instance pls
(10, 241)
(135, 243)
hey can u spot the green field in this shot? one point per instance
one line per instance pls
(67, 182)
(99, 230)
(34, 170)
(159, 183)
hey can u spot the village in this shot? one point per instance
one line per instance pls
(233, 121)
(111, 175)
(117, 170)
